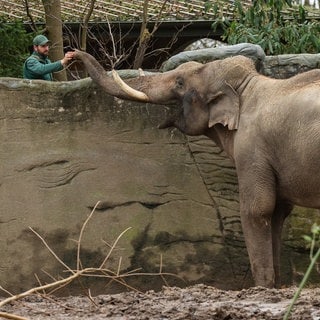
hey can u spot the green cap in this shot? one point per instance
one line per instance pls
(40, 40)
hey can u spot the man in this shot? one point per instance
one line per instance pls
(38, 65)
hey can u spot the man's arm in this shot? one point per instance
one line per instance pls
(40, 69)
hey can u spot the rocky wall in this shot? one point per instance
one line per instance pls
(281, 66)
(67, 146)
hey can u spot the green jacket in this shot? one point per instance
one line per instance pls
(40, 67)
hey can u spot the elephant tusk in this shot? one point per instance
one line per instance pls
(127, 89)
(141, 73)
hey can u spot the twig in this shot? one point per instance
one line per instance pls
(44, 287)
(101, 271)
(50, 250)
(49, 275)
(119, 266)
(113, 246)
(59, 288)
(6, 291)
(81, 233)
(91, 298)
(63, 305)
(11, 316)
(161, 264)
(122, 282)
(27, 7)
(106, 243)
(38, 280)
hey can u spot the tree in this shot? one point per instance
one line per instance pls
(52, 10)
(85, 25)
(273, 26)
(101, 46)
(14, 44)
(145, 34)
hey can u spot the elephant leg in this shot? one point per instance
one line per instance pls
(257, 203)
(281, 211)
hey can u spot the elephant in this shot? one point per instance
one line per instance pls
(269, 128)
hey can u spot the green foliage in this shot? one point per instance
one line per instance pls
(14, 42)
(313, 242)
(274, 25)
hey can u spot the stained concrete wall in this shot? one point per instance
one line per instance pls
(66, 146)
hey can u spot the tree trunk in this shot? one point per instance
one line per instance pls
(84, 31)
(141, 51)
(84, 26)
(145, 34)
(52, 10)
(143, 39)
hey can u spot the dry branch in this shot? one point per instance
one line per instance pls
(11, 316)
(81, 234)
(99, 272)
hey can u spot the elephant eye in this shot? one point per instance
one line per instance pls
(179, 83)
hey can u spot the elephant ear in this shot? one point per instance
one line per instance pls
(224, 107)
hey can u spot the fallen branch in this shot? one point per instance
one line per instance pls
(99, 272)
(11, 316)
(81, 234)
(40, 288)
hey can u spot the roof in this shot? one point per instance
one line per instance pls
(119, 10)
(126, 10)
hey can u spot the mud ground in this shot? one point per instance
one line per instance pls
(196, 302)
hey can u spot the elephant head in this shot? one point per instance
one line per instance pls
(208, 94)
(192, 118)
(199, 115)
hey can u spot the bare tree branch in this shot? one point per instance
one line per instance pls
(81, 234)
(51, 251)
(11, 316)
(100, 272)
(33, 25)
(85, 25)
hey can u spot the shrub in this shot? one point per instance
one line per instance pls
(276, 26)
(14, 43)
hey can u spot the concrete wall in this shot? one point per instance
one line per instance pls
(66, 146)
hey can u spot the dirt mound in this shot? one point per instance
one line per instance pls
(196, 302)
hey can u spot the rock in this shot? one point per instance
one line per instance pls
(252, 51)
(287, 65)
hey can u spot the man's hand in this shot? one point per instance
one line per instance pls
(67, 58)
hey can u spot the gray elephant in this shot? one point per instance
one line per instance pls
(269, 128)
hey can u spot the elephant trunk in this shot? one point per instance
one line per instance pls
(153, 88)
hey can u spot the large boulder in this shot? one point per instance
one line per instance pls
(249, 50)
